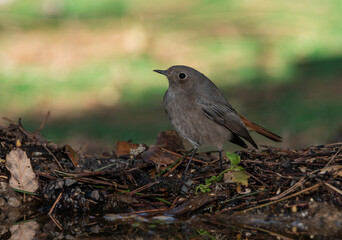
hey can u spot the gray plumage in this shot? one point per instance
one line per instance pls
(199, 112)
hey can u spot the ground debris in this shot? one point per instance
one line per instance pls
(276, 181)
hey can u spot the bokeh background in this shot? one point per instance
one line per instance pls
(90, 63)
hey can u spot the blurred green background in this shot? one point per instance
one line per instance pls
(90, 63)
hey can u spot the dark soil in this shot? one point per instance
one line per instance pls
(290, 193)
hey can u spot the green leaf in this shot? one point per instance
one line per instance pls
(238, 168)
(236, 177)
(234, 159)
(203, 188)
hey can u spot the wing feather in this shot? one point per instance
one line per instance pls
(226, 116)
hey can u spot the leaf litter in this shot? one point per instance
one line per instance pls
(286, 187)
(22, 175)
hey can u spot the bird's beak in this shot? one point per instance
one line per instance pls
(164, 72)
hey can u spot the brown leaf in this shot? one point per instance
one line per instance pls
(126, 148)
(159, 157)
(335, 170)
(73, 155)
(170, 140)
(22, 175)
(24, 231)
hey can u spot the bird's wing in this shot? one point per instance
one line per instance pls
(224, 115)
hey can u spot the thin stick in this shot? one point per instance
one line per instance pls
(291, 189)
(331, 159)
(270, 203)
(113, 184)
(56, 222)
(54, 157)
(172, 169)
(43, 123)
(150, 210)
(54, 204)
(142, 188)
(179, 155)
(174, 202)
(333, 188)
(262, 182)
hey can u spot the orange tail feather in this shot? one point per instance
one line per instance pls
(261, 130)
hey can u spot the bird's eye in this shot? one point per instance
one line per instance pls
(182, 75)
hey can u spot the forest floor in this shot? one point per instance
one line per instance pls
(282, 193)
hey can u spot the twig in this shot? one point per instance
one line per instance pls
(331, 159)
(174, 202)
(150, 210)
(334, 144)
(172, 169)
(42, 123)
(278, 235)
(113, 184)
(174, 165)
(236, 198)
(179, 155)
(291, 189)
(333, 188)
(57, 200)
(142, 188)
(54, 157)
(262, 182)
(56, 222)
(270, 203)
(44, 174)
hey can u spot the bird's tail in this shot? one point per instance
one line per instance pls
(261, 130)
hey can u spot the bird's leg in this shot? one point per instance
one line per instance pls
(220, 154)
(187, 166)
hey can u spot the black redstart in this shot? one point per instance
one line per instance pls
(199, 112)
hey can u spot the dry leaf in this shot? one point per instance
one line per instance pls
(73, 155)
(158, 157)
(335, 170)
(22, 175)
(236, 177)
(169, 140)
(24, 231)
(302, 169)
(126, 148)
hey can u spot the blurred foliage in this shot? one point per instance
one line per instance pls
(91, 63)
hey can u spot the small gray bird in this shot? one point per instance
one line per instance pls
(199, 112)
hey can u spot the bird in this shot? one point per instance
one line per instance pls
(200, 113)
